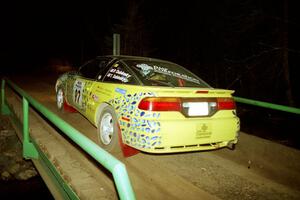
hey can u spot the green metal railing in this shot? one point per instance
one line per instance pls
(116, 167)
(267, 105)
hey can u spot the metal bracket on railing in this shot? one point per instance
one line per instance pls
(29, 150)
(4, 108)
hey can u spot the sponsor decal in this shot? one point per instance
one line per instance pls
(203, 131)
(166, 71)
(77, 92)
(118, 75)
(121, 91)
(147, 69)
(95, 97)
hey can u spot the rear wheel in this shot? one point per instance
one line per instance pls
(107, 130)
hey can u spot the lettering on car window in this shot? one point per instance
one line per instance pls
(166, 71)
(118, 74)
(147, 69)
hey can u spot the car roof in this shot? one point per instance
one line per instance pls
(127, 57)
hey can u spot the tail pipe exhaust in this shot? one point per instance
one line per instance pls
(231, 145)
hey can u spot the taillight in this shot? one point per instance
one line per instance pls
(160, 104)
(225, 104)
(189, 107)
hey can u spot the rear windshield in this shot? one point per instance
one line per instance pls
(156, 73)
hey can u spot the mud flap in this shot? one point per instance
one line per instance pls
(69, 108)
(127, 150)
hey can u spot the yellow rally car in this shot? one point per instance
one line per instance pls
(149, 104)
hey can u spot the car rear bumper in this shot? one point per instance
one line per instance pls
(195, 135)
(195, 147)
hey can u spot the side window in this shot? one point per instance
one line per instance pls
(90, 69)
(103, 66)
(118, 73)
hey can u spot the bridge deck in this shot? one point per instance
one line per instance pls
(257, 169)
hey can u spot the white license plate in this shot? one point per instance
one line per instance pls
(196, 108)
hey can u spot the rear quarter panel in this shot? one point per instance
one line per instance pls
(144, 129)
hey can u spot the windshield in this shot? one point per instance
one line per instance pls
(153, 73)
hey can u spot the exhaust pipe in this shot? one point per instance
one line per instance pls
(231, 145)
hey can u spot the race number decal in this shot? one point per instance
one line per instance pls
(77, 92)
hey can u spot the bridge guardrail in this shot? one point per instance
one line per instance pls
(267, 105)
(116, 167)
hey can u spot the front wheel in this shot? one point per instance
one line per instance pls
(107, 130)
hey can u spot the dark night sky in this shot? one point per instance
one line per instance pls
(231, 44)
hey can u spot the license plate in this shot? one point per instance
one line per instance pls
(196, 108)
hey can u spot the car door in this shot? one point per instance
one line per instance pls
(69, 87)
(94, 97)
(81, 85)
(117, 78)
(92, 72)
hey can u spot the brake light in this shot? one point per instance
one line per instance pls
(226, 104)
(160, 104)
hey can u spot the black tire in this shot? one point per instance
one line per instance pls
(108, 130)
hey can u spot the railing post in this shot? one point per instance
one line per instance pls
(4, 108)
(29, 151)
(122, 182)
(116, 44)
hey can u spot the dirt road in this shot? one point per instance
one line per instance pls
(256, 169)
